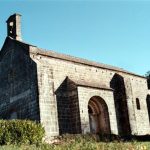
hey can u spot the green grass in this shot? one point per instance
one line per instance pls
(79, 142)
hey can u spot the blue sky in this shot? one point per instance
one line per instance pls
(107, 31)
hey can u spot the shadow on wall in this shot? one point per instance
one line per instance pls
(148, 105)
(69, 115)
(68, 108)
(117, 83)
(18, 77)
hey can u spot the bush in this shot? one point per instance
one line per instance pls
(20, 132)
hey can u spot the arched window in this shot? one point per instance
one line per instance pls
(138, 104)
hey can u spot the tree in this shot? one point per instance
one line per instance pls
(147, 75)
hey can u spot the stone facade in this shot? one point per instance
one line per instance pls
(68, 94)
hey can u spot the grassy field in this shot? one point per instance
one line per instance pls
(82, 143)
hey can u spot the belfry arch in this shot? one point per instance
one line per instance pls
(98, 116)
(120, 100)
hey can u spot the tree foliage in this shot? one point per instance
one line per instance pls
(147, 75)
(20, 132)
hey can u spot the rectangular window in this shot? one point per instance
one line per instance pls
(138, 104)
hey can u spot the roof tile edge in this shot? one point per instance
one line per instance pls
(53, 54)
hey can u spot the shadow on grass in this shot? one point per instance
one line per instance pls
(112, 137)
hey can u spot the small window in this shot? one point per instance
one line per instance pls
(138, 104)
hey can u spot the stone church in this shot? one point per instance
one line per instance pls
(68, 94)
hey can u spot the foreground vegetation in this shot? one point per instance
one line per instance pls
(29, 135)
(20, 132)
(79, 142)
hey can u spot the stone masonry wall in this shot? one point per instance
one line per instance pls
(135, 86)
(47, 100)
(67, 101)
(85, 94)
(18, 83)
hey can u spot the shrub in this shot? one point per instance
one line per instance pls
(20, 132)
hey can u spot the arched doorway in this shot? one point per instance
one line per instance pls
(98, 116)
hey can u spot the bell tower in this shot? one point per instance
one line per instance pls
(14, 26)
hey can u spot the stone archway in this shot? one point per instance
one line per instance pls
(98, 116)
